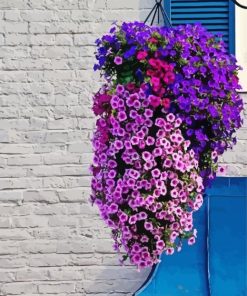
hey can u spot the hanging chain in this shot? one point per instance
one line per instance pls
(156, 11)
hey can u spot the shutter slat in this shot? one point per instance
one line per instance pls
(223, 22)
(200, 4)
(218, 16)
(199, 9)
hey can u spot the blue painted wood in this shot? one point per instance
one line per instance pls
(227, 239)
(231, 32)
(216, 16)
(206, 4)
(216, 264)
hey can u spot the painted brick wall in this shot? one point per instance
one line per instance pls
(51, 240)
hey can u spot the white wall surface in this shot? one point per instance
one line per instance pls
(51, 240)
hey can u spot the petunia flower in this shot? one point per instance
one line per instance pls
(141, 55)
(154, 101)
(118, 60)
(166, 103)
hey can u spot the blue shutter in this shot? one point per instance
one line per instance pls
(216, 16)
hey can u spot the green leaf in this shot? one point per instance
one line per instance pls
(125, 257)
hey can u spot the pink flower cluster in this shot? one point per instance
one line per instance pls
(161, 73)
(146, 181)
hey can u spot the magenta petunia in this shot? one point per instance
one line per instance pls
(154, 101)
(141, 55)
(118, 60)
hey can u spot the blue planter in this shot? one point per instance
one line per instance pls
(216, 264)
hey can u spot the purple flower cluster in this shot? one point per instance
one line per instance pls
(169, 109)
(145, 181)
(203, 91)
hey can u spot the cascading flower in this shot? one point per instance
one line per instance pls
(146, 182)
(169, 109)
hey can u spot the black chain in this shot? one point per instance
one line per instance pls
(156, 11)
(159, 9)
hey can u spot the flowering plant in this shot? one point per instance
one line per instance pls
(169, 108)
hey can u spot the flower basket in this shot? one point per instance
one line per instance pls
(168, 109)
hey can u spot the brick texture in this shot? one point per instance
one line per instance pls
(52, 241)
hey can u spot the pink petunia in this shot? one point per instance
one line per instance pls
(155, 173)
(154, 101)
(178, 122)
(153, 40)
(122, 116)
(170, 117)
(160, 244)
(169, 251)
(141, 55)
(155, 81)
(214, 155)
(222, 170)
(118, 60)
(174, 193)
(153, 63)
(132, 219)
(169, 77)
(148, 226)
(150, 141)
(166, 103)
(191, 241)
(168, 163)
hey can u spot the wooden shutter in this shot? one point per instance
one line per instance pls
(216, 16)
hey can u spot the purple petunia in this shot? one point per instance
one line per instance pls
(129, 53)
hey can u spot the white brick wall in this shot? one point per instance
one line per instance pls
(51, 240)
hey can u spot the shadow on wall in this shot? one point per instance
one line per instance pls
(111, 278)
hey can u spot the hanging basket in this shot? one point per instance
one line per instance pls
(168, 110)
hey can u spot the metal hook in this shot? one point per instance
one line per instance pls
(158, 10)
(239, 4)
